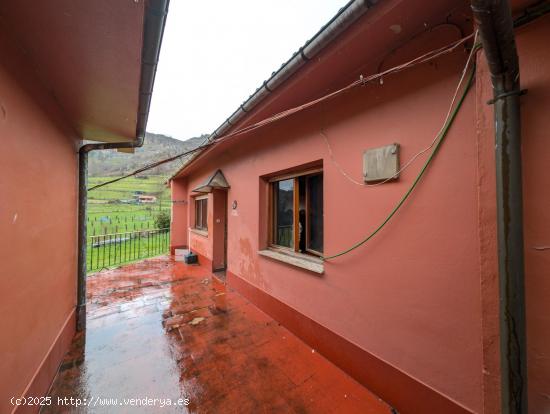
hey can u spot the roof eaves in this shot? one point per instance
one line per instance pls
(345, 17)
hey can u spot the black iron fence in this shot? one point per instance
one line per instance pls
(285, 235)
(113, 249)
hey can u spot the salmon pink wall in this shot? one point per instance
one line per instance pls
(38, 215)
(487, 230)
(201, 242)
(534, 58)
(180, 207)
(534, 54)
(182, 232)
(411, 297)
(422, 296)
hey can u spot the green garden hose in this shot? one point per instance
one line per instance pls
(442, 136)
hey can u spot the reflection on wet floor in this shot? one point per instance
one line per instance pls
(163, 330)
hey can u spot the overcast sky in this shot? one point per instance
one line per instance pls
(216, 53)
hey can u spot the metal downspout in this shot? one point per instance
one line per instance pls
(154, 22)
(495, 23)
(82, 216)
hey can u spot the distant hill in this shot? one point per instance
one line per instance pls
(155, 148)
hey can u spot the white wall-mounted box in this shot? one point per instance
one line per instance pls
(381, 163)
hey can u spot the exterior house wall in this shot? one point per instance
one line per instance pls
(487, 230)
(422, 297)
(534, 55)
(201, 242)
(38, 216)
(534, 59)
(535, 76)
(411, 297)
(180, 207)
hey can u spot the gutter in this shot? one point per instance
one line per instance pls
(154, 22)
(494, 19)
(345, 17)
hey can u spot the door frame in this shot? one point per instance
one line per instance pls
(219, 210)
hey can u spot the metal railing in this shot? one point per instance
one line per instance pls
(113, 249)
(285, 235)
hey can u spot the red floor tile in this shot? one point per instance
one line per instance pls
(161, 329)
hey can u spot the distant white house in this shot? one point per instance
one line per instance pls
(142, 199)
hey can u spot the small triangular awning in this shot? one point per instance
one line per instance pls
(216, 180)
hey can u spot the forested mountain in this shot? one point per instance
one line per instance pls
(155, 148)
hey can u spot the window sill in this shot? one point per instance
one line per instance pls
(203, 233)
(313, 264)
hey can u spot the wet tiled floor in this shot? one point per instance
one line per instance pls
(160, 329)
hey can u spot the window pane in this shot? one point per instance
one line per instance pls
(315, 213)
(200, 213)
(284, 212)
(302, 214)
(204, 215)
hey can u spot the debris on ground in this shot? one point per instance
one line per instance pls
(196, 321)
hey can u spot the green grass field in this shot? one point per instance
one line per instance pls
(112, 210)
(107, 214)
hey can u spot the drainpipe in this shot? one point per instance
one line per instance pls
(82, 222)
(153, 29)
(495, 23)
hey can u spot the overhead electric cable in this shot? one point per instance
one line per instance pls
(441, 138)
(150, 166)
(418, 154)
(360, 82)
